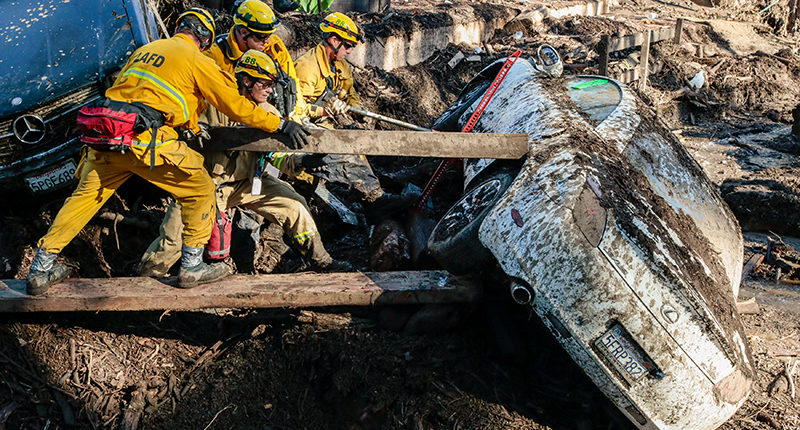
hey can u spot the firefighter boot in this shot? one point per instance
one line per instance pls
(44, 273)
(321, 261)
(195, 272)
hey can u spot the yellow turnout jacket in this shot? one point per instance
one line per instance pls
(313, 68)
(173, 77)
(227, 54)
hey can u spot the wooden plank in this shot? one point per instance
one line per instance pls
(378, 142)
(678, 38)
(751, 264)
(605, 41)
(644, 61)
(662, 33)
(243, 291)
(637, 39)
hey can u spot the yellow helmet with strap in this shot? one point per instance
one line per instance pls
(258, 65)
(342, 26)
(206, 21)
(256, 16)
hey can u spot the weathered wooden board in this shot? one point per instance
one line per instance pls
(751, 264)
(243, 291)
(378, 142)
(637, 39)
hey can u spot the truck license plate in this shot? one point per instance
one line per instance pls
(52, 178)
(624, 354)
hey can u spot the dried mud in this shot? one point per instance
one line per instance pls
(489, 365)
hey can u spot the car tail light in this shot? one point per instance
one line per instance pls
(733, 387)
(587, 213)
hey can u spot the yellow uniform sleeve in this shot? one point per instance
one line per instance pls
(352, 98)
(287, 162)
(220, 91)
(311, 83)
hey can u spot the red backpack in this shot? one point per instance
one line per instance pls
(219, 246)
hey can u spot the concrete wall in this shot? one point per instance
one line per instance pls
(468, 27)
(407, 50)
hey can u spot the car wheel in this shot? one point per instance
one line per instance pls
(454, 241)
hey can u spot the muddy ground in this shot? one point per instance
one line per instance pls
(488, 365)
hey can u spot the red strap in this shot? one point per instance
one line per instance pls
(447, 163)
(490, 92)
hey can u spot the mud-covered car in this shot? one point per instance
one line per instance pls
(613, 235)
(58, 56)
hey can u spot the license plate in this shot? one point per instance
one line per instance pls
(624, 354)
(54, 178)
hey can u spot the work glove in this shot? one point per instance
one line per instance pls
(298, 135)
(336, 106)
(204, 133)
(312, 162)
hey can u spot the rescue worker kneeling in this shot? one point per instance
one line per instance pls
(170, 77)
(239, 178)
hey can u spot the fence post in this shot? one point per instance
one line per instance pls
(645, 59)
(678, 31)
(604, 42)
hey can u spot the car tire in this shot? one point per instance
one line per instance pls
(454, 241)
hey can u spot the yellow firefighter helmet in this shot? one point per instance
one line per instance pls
(256, 16)
(341, 25)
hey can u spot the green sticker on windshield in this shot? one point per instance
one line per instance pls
(592, 83)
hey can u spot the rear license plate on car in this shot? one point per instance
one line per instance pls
(624, 354)
(54, 178)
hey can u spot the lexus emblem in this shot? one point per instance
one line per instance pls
(29, 128)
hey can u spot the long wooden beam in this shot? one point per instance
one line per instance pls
(243, 291)
(378, 142)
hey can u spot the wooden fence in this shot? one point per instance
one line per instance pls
(609, 44)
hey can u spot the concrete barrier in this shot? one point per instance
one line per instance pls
(468, 27)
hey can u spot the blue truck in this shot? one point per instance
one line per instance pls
(58, 55)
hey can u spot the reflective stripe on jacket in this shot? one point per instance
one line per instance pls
(173, 77)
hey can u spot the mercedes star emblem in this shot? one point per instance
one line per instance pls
(29, 128)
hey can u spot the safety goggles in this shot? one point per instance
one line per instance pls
(263, 83)
(261, 37)
(347, 44)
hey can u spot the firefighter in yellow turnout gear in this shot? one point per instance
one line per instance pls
(254, 26)
(233, 175)
(326, 80)
(170, 76)
(326, 84)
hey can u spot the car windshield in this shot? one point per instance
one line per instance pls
(596, 97)
(54, 47)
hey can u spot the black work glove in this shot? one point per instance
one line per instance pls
(204, 133)
(298, 135)
(311, 162)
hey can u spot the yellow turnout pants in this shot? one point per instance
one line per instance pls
(178, 170)
(278, 202)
